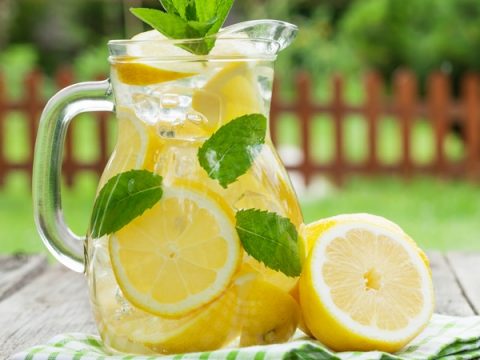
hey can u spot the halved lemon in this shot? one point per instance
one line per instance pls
(179, 255)
(365, 287)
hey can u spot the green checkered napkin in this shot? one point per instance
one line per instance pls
(445, 338)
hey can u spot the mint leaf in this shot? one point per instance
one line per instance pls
(123, 198)
(181, 6)
(175, 27)
(223, 8)
(169, 7)
(271, 239)
(170, 25)
(201, 27)
(188, 19)
(231, 150)
(206, 10)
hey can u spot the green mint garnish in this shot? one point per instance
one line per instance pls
(123, 198)
(271, 239)
(188, 19)
(231, 150)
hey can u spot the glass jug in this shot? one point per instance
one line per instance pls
(166, 268)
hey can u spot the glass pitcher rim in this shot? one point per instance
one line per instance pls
(259, 49)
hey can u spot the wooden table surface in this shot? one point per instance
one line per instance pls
(39, 301)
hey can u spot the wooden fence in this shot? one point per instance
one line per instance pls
(404, 105)
(438, 107)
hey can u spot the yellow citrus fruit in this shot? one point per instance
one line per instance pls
(365, 287)
(134, 73)
(139, 332)
(268, 314)
(154, 46)
(208, 328)
(137, 146)
(277, 278)
(265, 186)
(295, 293)
(230, 93)
(314, 230)
(179, 255)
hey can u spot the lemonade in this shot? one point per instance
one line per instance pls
(196, 240)
(180, 275)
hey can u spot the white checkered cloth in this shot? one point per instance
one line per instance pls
(445, 338)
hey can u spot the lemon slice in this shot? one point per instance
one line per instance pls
(150, 44)
(179, 255)
(230, 93)
(268, 314)
(154, 47)
(131, 146)
(209, 328)
(365, 287)
(135, 73)
(137, 146)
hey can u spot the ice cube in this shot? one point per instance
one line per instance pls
(196, 118)
(170, 101)
(146, 107)
(124, 306)
(186, 160)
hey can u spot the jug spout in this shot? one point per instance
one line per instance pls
(280, 32)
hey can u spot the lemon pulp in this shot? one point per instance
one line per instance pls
(177, 256)
(365, 287)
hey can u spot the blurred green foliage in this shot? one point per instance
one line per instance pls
(318, 49)
(345, 36)
(350, 36)
(60, 31)
(423, 35)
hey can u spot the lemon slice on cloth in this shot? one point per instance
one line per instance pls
(365, 287)
(179, 255)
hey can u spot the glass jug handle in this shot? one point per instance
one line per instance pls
(65, 246)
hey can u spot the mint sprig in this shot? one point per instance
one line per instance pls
(123, 198)
(271, 239)
(231, 150)
(188, 19)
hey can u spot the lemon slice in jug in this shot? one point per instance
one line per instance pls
(230, 93)
(137, 146)
(208, 328)
(152, 45)
(179, 255)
